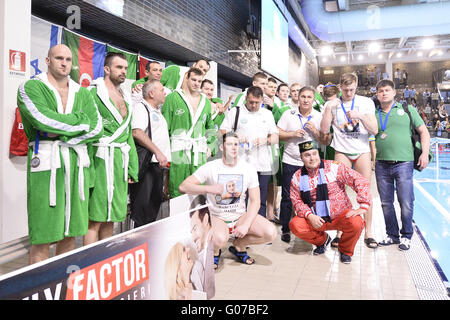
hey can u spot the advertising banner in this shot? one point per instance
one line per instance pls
(160, 260)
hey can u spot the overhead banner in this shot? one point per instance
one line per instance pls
(44, 35)
(156, 261)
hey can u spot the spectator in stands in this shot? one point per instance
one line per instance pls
(147, 195)
(397, 78)
(232, 216)
(406, 94)
(442, 111)
(320, 201)
(435, 98)
(395, 163)
(426, 96)
(405, 78)
(353, 120)
(257, 132)
(428, 110)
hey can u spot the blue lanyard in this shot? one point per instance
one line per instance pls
(36, 143)
(384, 124)
(343, 109)
(301, 122)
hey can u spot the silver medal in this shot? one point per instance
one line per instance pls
(350, 127)
(383, 136)
(35, 162)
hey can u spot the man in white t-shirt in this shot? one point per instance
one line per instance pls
(353, 120)
(226, 181)
(257, 131)
(296, 126)
(147, 195)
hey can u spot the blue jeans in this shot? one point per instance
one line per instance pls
(286, 204)
(391, 177)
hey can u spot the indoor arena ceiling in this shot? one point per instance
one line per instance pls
(391, 44)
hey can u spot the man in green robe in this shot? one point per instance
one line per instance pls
(174, 76)
(60, 120)
(188, 116)
(115, 156)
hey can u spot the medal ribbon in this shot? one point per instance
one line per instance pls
(36, 142)
(301, 122)
(345, 112)
(384, 124)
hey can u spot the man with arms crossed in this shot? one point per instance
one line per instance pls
(115, 156)
(353, 120)
(394, 163)
(227, 216)
(60, 120)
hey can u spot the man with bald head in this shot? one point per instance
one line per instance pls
(61, 121)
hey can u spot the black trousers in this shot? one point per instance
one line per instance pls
(146, 196)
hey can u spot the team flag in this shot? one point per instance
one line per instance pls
(88, 57)
(44, 35)
(142, 64)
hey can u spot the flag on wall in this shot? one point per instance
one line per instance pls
(44, 35)
(88, 57)
(142, 64)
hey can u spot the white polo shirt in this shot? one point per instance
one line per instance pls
(253, 125)
(344, 140)
(160, 132)
(292, 120)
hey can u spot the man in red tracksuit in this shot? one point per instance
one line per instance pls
(320, 202)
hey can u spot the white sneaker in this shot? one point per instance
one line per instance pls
(405, 244)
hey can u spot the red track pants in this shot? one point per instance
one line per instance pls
(351, 228)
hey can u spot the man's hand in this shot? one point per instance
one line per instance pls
(423, 160)
(161, 159)
(298, 133)
(353, 213)
(315, 221)
(130, 180)
(215, 189)
(137, 88)
(241, 230)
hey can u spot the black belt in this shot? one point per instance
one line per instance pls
(390, 162)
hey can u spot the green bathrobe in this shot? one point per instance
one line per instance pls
(188, 134)
(108, 201)
(58, 181)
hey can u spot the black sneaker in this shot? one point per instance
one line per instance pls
(321, 249)
(286, 237)
(345, 258)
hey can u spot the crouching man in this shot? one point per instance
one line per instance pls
(321, 203)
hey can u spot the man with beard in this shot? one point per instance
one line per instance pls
(115, 157)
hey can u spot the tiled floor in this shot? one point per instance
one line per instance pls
(290, 271)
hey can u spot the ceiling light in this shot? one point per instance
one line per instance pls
(360, 57)
(374, 47)
(326, 51)
(428, 43)
(399, 55)
(440, 52)
(324, 59)
(343, 59)
(380, 56)
(419, 54)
